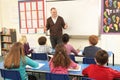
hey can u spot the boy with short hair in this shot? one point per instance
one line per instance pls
(98, 71)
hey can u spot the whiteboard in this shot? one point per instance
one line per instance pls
(82, 16)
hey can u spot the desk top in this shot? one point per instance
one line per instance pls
(110, 53)
(45, 68)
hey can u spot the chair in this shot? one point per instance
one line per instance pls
(86, 78)
(10, 74)
(88, 60)
(72, 57)
(39, 56)
(51, 76)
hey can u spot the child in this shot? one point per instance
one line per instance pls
(99, 71)
(17, 60)
(27, 49)
(61, 62)
(90, 51)
(69, 48)
(43, 48)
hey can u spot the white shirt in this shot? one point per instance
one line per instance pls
(54, 19)
(43, 49)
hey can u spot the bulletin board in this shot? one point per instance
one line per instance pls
(31, 16)
(111, 16)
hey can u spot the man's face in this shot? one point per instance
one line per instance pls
(54, 13)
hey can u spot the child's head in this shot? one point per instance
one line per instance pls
(23, 39)
(14, 55)
(101, 57)
(42, 40)
(65, 38)
(93, 39)
(60, 57)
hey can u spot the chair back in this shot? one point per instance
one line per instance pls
(86, 78)
(88, 60)
(51, 76)
(10, 74)
(72, 57)
(39, 56)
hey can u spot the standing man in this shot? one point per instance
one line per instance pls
(55, 24)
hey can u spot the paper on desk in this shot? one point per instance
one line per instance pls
(80, 53)
(75, 69)
(40, 65)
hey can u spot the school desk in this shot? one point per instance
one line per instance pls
(110, 53)
(44, 68)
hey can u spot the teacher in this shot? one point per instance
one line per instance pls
(55, 24)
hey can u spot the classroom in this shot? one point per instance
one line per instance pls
(83, 19)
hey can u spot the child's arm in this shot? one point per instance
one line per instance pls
(85, 71)
(74, 51)
(115, 73)
(31, 62)
(74, 65)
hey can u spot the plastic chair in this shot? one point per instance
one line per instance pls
(39, 56)
(51, 76)
(10, 74)
(88, 60)
(86, 78)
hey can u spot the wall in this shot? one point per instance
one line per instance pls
(0, 26)
(10, 19)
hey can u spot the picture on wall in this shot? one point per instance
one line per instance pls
(111, 16)
(31, 16)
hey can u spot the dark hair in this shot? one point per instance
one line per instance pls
(60, 57)
(52, 8)
(93, 39)
(101, 57)
(42, 40)
(65, 38)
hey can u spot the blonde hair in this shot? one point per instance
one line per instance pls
(12, 60)
(23, 39)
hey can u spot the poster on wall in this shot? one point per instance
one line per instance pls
(31, 16)
(111, 16)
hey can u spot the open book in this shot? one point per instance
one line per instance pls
(71, 69)
(40, 65)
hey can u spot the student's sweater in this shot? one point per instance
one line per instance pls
(61, 70)
(22, 68)
(99, 72)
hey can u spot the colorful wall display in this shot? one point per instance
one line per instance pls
(111, 16)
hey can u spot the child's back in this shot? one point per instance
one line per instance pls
(98, 71)
(42, 48)
(90, 51)
(61, 61)
(69, 48)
